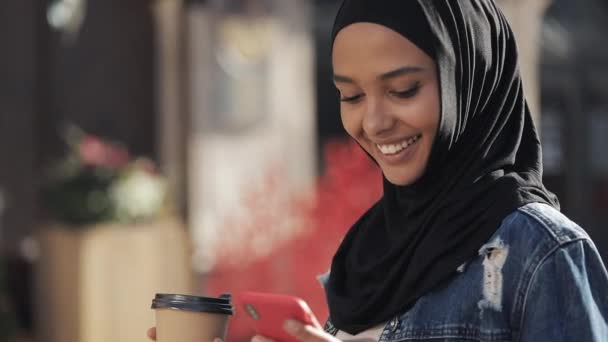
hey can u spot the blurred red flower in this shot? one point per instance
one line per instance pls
(95, 152)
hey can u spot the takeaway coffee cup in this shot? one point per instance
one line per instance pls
(184, 318)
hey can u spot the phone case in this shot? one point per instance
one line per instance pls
(268, 312)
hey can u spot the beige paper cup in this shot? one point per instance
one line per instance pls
(184, 318)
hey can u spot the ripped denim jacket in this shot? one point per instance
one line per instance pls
(539, 278)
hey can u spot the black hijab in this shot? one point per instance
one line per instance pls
(485, 163)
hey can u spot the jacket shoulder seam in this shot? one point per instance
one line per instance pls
(520, 306)
(548, 227)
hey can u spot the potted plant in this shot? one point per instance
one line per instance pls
(97, 181)
(109, 246)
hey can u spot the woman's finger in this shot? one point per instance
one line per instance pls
(259, 338)
(307, 333)
(152, 333)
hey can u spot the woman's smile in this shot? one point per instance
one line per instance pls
(396, 153)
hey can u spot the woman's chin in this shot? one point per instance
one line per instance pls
(400, 180)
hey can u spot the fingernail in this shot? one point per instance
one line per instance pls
(217, 340)
(290, 326)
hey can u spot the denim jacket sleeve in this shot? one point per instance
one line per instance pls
(567, 299)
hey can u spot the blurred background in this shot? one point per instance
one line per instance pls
(195, 146)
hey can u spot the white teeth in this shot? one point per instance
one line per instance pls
(394, 148)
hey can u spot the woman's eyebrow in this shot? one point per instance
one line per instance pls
(384, 76)
(343, 79)
(400, 71)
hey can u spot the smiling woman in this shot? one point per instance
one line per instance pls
(461, 246)
(390, 107)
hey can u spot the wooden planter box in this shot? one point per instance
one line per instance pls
(96, 283)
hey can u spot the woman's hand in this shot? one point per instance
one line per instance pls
(301, 331)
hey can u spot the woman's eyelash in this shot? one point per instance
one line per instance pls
(411, 92)
(407, 93)
(351, 98)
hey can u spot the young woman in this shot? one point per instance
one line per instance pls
(466, 243)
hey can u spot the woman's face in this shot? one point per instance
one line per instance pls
(389, 95)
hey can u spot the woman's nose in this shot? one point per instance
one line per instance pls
(377, 119)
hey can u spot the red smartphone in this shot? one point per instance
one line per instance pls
(268, 312)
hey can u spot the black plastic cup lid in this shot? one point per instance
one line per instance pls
(219, 305)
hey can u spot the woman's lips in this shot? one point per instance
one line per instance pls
(398, 153)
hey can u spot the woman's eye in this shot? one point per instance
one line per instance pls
(406, 93)
(351, 99)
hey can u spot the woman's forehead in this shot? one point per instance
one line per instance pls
(376, 48)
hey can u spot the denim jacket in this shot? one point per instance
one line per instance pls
(539, 278)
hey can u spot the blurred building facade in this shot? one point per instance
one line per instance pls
(574, 96)
(100, 79)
